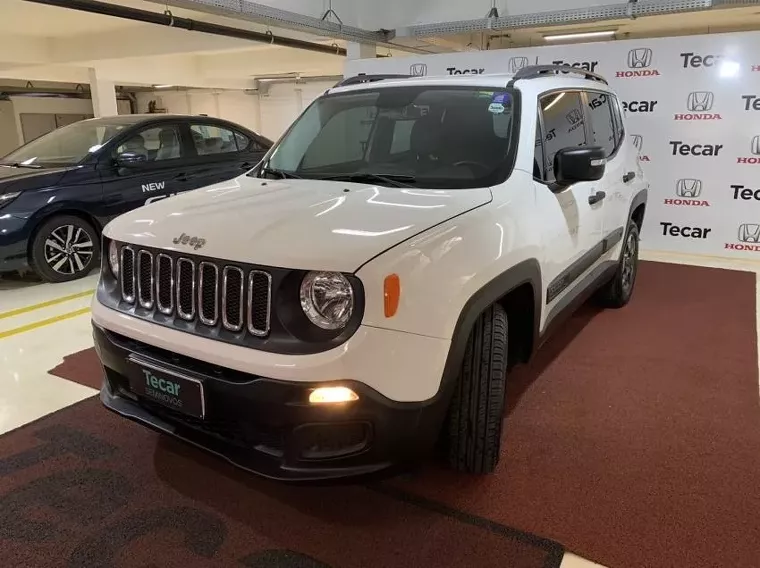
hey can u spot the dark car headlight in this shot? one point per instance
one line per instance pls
(6, 198)
(327, 299)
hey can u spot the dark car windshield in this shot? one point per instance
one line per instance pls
(67, 145)
(429, 136)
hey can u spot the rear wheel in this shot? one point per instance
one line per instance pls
(617, 292)
(65, 248)
(477, 406)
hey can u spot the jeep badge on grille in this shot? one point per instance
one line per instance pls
(195, 242)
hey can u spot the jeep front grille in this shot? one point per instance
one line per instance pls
(197, 290)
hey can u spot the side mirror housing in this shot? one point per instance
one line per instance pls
(573, 165)
(130, 159)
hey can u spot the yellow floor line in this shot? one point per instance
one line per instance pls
(41, 305)
(42, 323)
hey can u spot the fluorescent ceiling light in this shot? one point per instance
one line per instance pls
(162, 86)
(579, 35)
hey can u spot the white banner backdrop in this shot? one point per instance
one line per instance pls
(693, 109)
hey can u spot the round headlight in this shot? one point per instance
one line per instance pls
(113, 258)
(327, 299)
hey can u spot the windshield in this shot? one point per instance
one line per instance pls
(66, 146)
(430, 136)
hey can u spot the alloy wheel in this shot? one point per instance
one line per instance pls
(628, 274)
(68, 249)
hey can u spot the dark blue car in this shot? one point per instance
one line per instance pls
(58, 191)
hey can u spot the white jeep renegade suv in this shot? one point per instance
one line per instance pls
(362, 294)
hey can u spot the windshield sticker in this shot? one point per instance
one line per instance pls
(496, 108)
(502, 98)
(488, 94)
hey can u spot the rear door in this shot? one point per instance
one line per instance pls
(163, 173)
(619, 177)
(221, 153)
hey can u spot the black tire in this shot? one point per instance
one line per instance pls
(477, 406)
(65, 248)
(617, 292)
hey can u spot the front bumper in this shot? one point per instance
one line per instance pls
(14, 235)
(265, 425)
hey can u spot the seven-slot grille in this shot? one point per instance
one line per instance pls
(212, 293)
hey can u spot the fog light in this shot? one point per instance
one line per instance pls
(332, 395)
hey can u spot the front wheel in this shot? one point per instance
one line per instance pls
(617, 292)
(477, 406)
(65, 248)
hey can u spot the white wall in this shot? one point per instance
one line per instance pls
(8, 134)
(269, 114)
(46, 105)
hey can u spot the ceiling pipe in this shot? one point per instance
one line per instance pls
(167, 19)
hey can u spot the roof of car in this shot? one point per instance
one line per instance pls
(130, 119)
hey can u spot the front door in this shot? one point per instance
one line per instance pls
(163, 172)
(222, 153)
(573, 228)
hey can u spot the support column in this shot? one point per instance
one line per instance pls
(103, 95)
(360, 51)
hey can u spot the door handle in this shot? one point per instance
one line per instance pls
(596, 198)
(628, 177)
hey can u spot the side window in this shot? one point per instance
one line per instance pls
(156, 144)
(539, 162)
(602, 122)
(619, 126)
(210, 139)
(564, 125)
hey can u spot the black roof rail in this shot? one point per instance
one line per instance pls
(364, 78)
(535, 71)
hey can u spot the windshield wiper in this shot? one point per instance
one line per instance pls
(21, 165)
(395, 180)
(281, 173)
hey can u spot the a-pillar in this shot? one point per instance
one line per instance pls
(103, 95)
(360, 51)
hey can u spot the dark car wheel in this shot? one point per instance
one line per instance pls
(477, 407)
(65, 248)
(617, 292)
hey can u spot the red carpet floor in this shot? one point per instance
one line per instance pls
(633, 439)
(83, 488)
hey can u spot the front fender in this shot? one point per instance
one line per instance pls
(452, 271)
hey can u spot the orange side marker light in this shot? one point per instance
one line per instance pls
(391, 294)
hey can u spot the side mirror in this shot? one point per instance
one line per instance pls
(573, 165)
(130, 159)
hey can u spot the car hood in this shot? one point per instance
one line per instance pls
(14, 179)
(307, 224)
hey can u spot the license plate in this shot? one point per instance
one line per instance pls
(166, 387)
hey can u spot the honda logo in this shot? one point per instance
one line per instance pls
(688, 187)
(755, 145)
(517, 63)
(574, 116)
(640, 58)
(418, 69)
(749, 233)
(700, 101)
(638, 141)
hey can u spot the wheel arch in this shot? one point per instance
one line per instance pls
(46, 215)
(519, 291)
